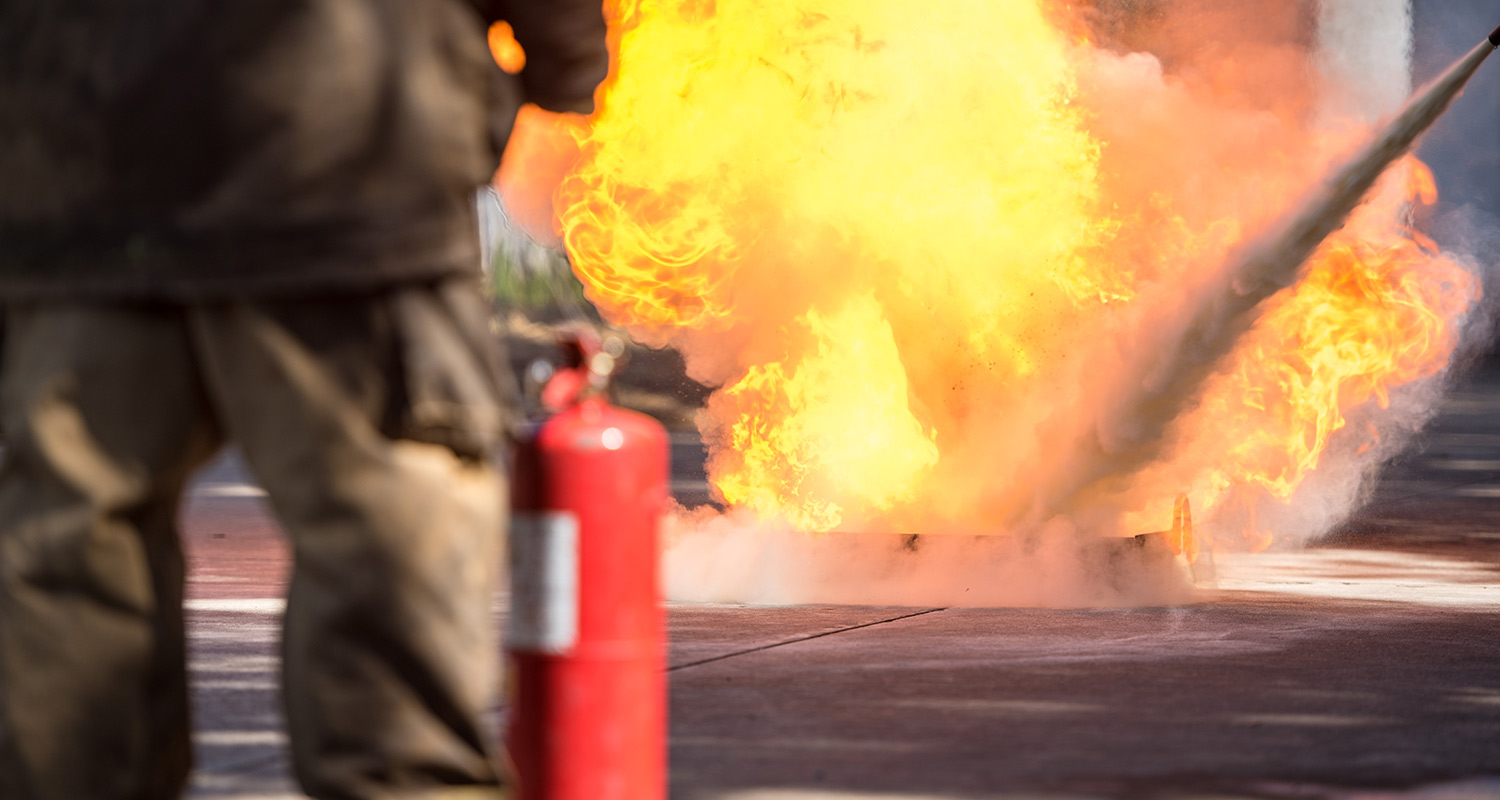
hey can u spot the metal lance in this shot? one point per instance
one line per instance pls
(1271, 263)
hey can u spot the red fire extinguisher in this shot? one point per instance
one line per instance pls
(586, 639)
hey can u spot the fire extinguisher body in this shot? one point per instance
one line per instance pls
(586, 638)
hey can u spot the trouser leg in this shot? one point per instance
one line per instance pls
(389, 657)
(104, 421)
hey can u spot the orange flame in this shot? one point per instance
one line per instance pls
(504, 47)
(543, 147)
(922, 248)
(1375, 311)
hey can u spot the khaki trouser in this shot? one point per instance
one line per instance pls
(367, 419)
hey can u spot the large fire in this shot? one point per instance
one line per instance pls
(926, 249)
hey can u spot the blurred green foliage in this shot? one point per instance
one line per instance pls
(543, 289)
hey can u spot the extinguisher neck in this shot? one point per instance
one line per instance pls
(590, 368)
(592, 406)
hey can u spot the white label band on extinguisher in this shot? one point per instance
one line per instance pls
(543, 582)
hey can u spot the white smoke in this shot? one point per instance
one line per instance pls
(735, 557)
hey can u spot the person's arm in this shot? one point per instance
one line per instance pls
(566, 56)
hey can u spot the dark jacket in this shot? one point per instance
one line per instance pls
(193, 149)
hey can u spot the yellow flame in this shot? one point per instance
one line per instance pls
(919, 156)
(831, 432)
(796, 136)
(1375, 311)
(887, 228)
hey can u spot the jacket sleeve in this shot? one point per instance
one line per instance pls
(564, 40)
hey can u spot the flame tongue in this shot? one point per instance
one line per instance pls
(797, 436)
(917, 245)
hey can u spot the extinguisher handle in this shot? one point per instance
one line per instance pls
(590, 363)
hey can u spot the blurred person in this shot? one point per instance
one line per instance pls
(254, 222)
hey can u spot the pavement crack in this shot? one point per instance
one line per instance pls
(700, 662)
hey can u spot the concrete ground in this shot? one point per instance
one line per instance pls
(1368, 667)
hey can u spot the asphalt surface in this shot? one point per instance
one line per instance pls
(1366, 667)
